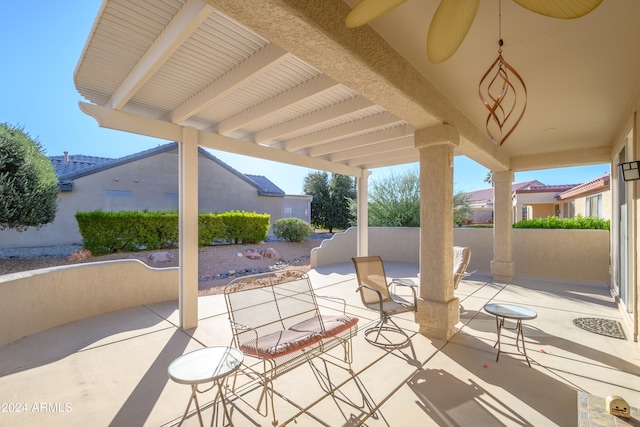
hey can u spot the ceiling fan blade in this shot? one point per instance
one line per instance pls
(449, 26)
(368, 10)
(564, 9)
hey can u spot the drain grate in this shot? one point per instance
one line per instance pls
(607, 327)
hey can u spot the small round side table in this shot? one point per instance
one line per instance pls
(211, 364)
(513, 312)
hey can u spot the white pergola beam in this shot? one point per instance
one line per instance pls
(300, 93)
(362, 140)
(186, 21)
(245, 148)
(331, 134)
(264, 60)
(132, 123)
(344, 108)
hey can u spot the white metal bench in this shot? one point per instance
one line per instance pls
(277, 324)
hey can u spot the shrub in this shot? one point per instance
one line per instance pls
(291, 229)
(579, 222)
(28, 183)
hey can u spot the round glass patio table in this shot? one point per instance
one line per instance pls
(512, 312)
(211, 364)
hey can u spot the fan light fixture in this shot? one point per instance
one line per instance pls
(453, 18)
(504, 93)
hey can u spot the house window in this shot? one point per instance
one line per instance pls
(525, 213)
(594, 206)
(117, 194)
(572, 209)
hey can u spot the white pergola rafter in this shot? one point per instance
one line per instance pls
(374, 150)
(263, 61)
(181, 27)
(399, 157)
(389, 134)
(350, 106)
(300, 93)
(339, 132)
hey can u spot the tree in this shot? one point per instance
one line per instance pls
(28, 183)
(489, 177)
(317, 185)
(342, 190)
(461, 208)
(330, 204)
(395, 202)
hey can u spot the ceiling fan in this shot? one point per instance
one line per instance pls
(453, 18)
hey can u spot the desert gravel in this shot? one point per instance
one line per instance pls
(217, 265)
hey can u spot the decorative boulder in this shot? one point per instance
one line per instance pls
(80, 255)
(252, 254)
(271, 253)
(160, 256)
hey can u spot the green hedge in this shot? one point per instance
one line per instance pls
(245, 226)
(578, 222)
(211, 227)
(107, 232)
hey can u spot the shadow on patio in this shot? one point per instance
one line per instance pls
(112, 369)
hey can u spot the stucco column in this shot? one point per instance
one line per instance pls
(188, 219)
(438, 308)
(362, 247)
(502, 265)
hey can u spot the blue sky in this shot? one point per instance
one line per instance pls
(41, 45)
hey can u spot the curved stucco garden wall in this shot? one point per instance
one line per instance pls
(399, 244)
(558, 254)
(36, 300)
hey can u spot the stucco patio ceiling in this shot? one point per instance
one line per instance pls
(287, 81)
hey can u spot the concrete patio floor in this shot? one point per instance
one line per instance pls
(111, 370)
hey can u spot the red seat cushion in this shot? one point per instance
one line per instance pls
(279, 343)
(330, 326)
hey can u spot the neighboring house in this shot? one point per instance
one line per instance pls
(149, 180)
(481, 201)
(297, 206)
(293, 206)
(538, 201)
(533, 199)
(592, 198)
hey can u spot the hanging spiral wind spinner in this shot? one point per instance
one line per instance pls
(504, 93)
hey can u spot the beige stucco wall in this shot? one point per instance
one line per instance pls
(543, 211)
(36, 300)
(400, 244)
(153, 185)
(559, 254)
(562, 254)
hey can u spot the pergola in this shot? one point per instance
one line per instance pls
(285, 80)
